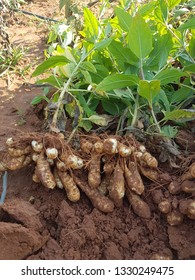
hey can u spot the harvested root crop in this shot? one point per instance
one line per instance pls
(133, 179)
(98, 200)
(190, 174)
(174, 218)
(70, 186)
(44, 172)
(187, 207)
(94, 177)
(149, 173)
(13, 163)
(188, 186)
(139, 206)
(86, 146)
(110, 146)
(148, 160)
(123, 150)
(19, 152)
(164, 206)
(117, 186)
(57, 179)
(112, 167)
(37, 147)
(51, 153)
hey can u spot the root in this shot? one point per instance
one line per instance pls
(106, 168)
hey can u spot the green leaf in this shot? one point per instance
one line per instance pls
(87, 125)
(146, 9)
(159, 55)
(88, 110)
(122, 54)
(91, 25)
(102, 120)
(164, 9)
(87, 76)
(190, 68)
(149, 89)
(189, 24)
(169, 131)
(172, 3)
(140, 37)
(124, 18)
(169, 75)
(88, 66)
(192, 47)
(181, 95)
(37, 99)
(117, 81)
(52, 80)
(117, 107)
(180, 115)
(67, 69)
(102, 44)
(163, 101)
(51, 62)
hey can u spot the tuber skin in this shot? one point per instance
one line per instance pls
(110, 146)
(148, 160)
(123, 150)
(70, 186)
(151, 174)
(174, 218)
(86, 146)
(174, 187)
(187, 207)
(133, 179)
(139, 206)
(13, 163)
(99, 201)
(19, 152)
(103, 187)
(164, 206)
(98, 147)
(94, 176)
(191, 210)
(117, 186)
(57, 179)
(44, 173)
(190, 174)
(188, 186)
(160, 256)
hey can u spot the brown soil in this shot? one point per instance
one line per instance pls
(37, 223)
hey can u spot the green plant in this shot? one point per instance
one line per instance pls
(8, 62)
(137, 65)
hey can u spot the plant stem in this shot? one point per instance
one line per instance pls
(65, 89)
(154, 118)
(141, 70)
(135, 111)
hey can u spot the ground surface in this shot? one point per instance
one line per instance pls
(37, 223)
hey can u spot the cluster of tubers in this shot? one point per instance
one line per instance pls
(105, 168)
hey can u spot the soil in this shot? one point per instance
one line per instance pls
(38, 223)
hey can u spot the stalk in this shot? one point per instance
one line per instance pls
(65, 89)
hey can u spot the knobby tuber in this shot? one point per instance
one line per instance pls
(70, 186)
(139, 206)
(112, 167)
(117, 186)
(133, 179)
(44, 172)
(94, 177)
(98, 200)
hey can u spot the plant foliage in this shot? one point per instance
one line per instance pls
(137, 65)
